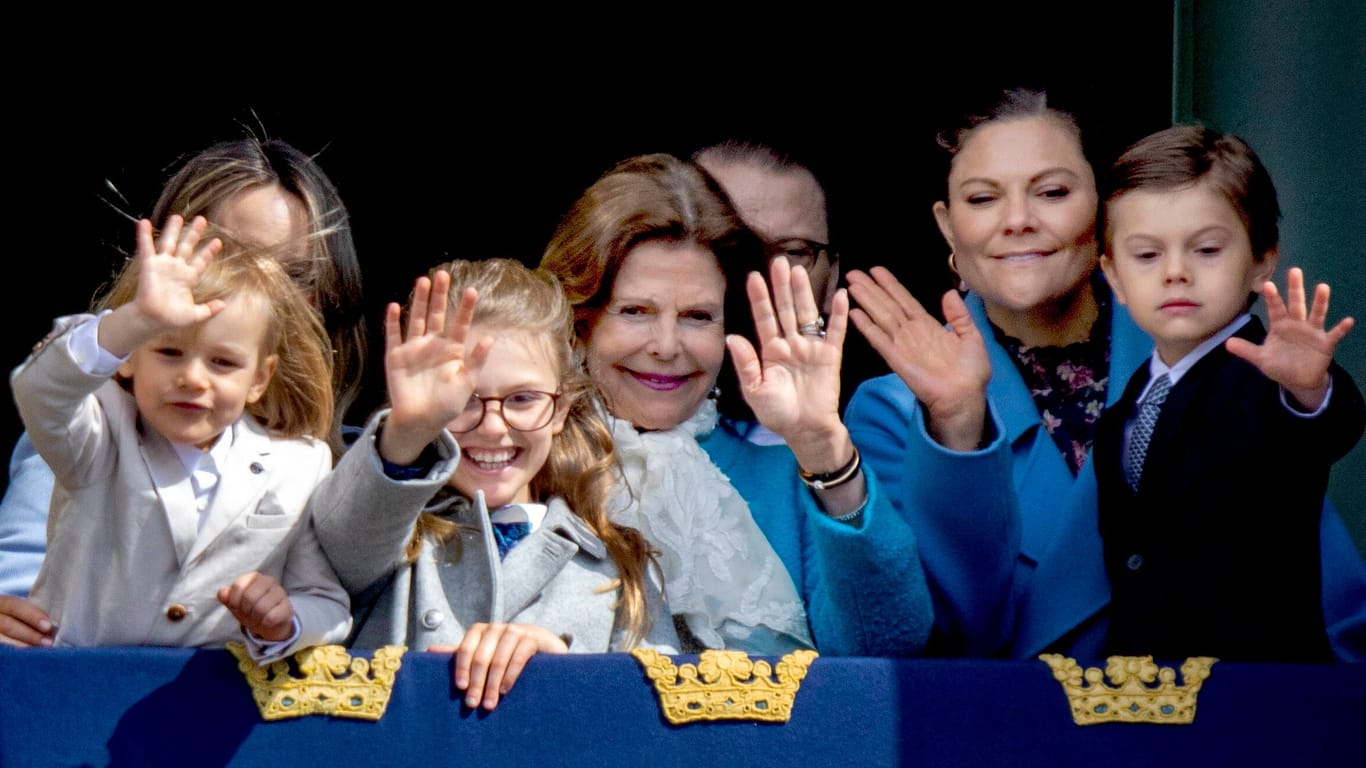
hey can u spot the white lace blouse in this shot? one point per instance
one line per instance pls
(721, 575)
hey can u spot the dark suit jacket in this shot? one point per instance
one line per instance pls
(1217, 553)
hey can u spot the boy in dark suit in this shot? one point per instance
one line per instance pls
(1212, 467)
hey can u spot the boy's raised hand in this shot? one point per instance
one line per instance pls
(167, 273)
(1298, 349)
(432, 372)
(261, 605)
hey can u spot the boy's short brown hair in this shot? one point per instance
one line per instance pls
(1186, 154)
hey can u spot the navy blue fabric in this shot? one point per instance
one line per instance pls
(506, 535)
(180, 707)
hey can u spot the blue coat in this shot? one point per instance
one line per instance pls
(1008, 535)
(862, 582)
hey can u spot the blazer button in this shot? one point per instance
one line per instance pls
(176, 612)
(1134, 562)
(432, 619)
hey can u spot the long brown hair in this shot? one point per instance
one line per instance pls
(330, 277)
(582, 462)
(655, 197)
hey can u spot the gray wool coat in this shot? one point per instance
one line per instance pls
(559, 577)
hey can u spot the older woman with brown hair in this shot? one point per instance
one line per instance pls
(660, 270)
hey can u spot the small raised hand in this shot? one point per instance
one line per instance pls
(432, 372)
(168, 270)
(1298, 347)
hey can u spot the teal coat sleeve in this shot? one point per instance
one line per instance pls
(862, 581)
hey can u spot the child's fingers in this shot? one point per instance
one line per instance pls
(436, 307)
(525, 649)
(494, 684)
(464, 315)
(205, 253)
(170, 234)
(480, 658)
(393, 326)
(189, 238)
(1318, 312)
(474, 361)
(23, 623)
(417, 313)
(1242, 348)
(472, 659)
(1339, 331)
(1294, 293)
(1275, 308)
(145, 246)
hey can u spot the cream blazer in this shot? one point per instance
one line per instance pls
(121, 570)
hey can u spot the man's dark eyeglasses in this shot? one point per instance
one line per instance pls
(801, 253)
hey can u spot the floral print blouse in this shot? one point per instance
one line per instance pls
(1068, 383)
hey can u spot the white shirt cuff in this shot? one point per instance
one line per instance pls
(1285, 401)
(270, 649)
(90, 357)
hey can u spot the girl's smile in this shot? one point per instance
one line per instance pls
(494, 458)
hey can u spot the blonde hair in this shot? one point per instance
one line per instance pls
(298, 400)
(331, 278)
(581, 467)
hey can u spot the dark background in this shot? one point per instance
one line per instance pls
(477, 153)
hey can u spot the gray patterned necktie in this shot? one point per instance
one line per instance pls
(1142, 432)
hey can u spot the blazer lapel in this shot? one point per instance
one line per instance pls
(531, 565)
(242, 480)
(174, 490)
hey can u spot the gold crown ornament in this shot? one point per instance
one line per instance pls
(333, 683)
(1133, 698)
(725, 685)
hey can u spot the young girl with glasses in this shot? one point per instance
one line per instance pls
(471, 516)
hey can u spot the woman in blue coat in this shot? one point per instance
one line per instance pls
(982, 435)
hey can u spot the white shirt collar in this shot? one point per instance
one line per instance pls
(205, 468)
(520, 513)
(1174, 372)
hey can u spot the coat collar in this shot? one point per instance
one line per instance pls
(1129, 348)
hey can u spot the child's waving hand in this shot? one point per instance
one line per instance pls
(1298, 349)
(431, 373)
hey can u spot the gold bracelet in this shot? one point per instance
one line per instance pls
(824, 481)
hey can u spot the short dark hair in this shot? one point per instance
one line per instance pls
(1187, 154)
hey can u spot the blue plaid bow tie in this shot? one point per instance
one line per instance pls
(508, 534)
